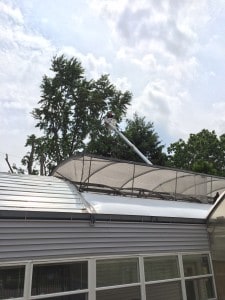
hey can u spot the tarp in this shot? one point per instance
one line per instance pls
(135, 179)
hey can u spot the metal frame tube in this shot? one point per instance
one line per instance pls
(141, 155)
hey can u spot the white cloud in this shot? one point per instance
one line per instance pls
(169, 54)
(11, 12)
(24, 58)
(163, 41)
(123, 84)
(94, 66)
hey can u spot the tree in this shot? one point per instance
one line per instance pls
(38, 155)
(28, 159)
(140, 133)
(71, 109)
(203, 152)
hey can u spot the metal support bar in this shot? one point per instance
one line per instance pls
(111, 126)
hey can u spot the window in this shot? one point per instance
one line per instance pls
(197, 264)
(171, 277)
(199, 289)
(165, 290)
(60, 277)
(198, 277)
(161, 267)
(117, 271)
(125, 293)
(12, 282)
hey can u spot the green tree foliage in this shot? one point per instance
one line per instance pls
(203, 152)
(140, 133)
(70, 110)
(29, 158)
(38, 155)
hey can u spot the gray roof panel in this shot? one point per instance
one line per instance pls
(39, 193)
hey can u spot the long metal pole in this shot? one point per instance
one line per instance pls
(128, 142)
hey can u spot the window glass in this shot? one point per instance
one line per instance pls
(11, 282)
(69, 297)
(53, 278)
(117, 271)
(165, 290)
(126, 293)
(161, 267)
(197, 264)
(199, 289)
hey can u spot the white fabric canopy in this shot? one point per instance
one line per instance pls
(136, 179)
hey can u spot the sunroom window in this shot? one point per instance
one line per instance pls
(59, 277)
(12, 282)
(162, 277)
(198, 277)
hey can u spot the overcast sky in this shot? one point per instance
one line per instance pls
(169, 53)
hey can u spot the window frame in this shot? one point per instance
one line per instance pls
(209, 275)
(65, 293)
(55, 261)
(177, 279)
(125, 284)
(167, 279)
(17, 264)
(91, 276)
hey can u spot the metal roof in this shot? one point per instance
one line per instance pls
(135, 179)
(118, 205)
(39, 193)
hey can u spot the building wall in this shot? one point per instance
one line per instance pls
(37, 239)
(217, 247)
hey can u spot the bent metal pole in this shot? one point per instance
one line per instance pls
(109, 122)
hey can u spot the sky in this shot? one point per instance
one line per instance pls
(169, 53)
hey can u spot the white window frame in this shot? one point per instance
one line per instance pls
(91, 261)
(210, 275)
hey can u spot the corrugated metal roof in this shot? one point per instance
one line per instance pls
(50, 194)
(39, 193)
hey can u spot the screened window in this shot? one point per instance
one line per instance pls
(165, 290)
(161, 267)
(196, 265)
(12, 282)
(117, 271)
(126, 293)
(60, 277)
(199, 289)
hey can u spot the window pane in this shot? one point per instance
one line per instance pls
(199, 289)
(69, 297)
(197, 264)
(127, 293)
(161, 267)
(117, 271)
(165, 290)
(55, 278)
(11, 282)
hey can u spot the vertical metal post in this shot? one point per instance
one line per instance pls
(92, 279)
(27, 280)
(183, 287)
(142, 277)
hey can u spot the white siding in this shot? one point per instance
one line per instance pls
(22, 240)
